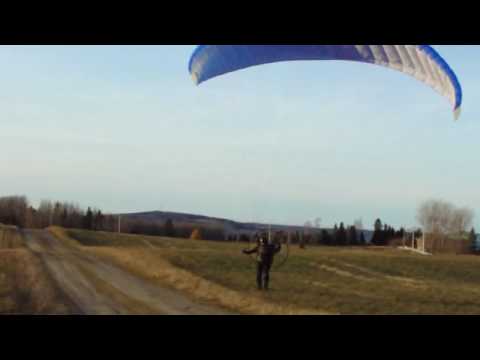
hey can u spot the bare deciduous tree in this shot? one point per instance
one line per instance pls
(442, 218)
(461, 221)
(13, 210)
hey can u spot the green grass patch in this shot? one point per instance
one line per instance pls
(337, 280)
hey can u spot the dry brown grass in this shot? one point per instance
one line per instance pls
(153, 266)
(61, 234)
(10, 238)
(25, 287)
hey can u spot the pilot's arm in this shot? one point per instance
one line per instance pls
(252, 251)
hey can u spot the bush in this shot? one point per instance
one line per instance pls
(196, 235)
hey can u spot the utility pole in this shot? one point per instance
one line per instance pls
(423, 241)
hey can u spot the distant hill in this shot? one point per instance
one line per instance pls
(227, 225)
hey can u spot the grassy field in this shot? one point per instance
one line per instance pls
(25, 287)
(317, 280)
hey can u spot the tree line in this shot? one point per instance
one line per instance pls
(342, 235)
(17, 211)
(170, 229)
(444, 224)
(386, 235)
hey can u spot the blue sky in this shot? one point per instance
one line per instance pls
(125, 129)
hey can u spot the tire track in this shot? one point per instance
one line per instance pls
(65, 264)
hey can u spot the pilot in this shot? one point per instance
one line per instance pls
(266, 252)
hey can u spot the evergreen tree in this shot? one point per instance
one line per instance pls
(88, 220)
(169, 228)
(363, 242)
(326, 238)
(335, 235)
(388, 234)
(98, 220)
(57, 213)
(342, 235)
(378, 236)
(473, 240)
(418, 234)
(352, 236)
(392, 233)
(64, 218)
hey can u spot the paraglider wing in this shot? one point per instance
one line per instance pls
(420, 61)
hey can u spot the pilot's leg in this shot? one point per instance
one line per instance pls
(259, 275)
(266, 276)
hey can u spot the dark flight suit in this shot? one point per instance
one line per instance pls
(265, 254)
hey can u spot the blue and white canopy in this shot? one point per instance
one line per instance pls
(420, 61)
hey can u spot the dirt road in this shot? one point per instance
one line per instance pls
(97, 287)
